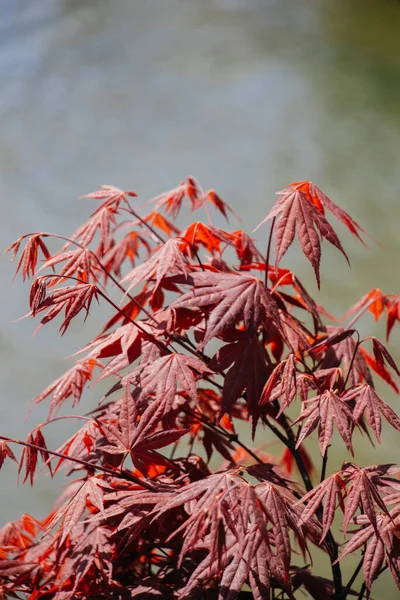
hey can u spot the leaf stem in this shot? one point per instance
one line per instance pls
(269, 251)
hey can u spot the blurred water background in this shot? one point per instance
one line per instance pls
(246, 95)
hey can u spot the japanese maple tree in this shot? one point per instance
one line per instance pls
(208, 337)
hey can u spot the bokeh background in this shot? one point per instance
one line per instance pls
(246, 95)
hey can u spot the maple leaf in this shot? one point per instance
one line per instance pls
(380, 545)
(331, 340)
(285, 373)
(234, 298)
(101, 220)
(37, 294)
(163, 376)
(321, 201)
(303, 206)
(125, 344)
(29, 257)
(71, 383)
(190, 188)
(172, 201)
(246, 250)
(94, 544)
(80, 445)
(333, 488)
(131, 435)
(169, 260)
(379, 367)
(127, 248)
(363, 493)
(393, 314)
(156, 219)
(117, 342)
(207, 236)
(375, 301)
(5, 451)
(383, 355)
(35, 444)
(121, 435)
(78, 263)
(111, 196)
(70, 512)
(322, 411)
(368, 402)
(378, 303)
(247, 373)
(71, 298)
(217, 201)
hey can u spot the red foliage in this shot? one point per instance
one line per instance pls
(167, 501)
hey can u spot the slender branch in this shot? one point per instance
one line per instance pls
(158, 343)
(352, 579)
(229, 436)
(103, 268)
(85, 463)
(362, 591)
(362, 311)
(324, 463)
(352, 360)
(178, 339)
(331, 544)
(145, 224)
(269, 251)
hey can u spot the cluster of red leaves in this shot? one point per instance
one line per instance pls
(167, 501)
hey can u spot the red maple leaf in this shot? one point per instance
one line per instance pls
(246, 376)
(303, 205)
(72, 299)
(5, 452)
(169, 260)
(231, 298)
(29, 257)
(368, 402)
(322, 411)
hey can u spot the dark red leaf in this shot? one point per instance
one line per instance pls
(233, 298)
(5, 452)
(294, 207)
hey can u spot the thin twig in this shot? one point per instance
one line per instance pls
(352, 360)
(362, 591)
(352, 579)
(85, 463)
(324, 463)
(234, 438)
(269, 251)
